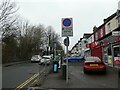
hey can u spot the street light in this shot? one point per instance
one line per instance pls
(54, 46)
(48, 42)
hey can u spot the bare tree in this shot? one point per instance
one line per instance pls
(7, 17)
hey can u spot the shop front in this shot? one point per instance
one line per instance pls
(96, 50)
(116, 49)
(111, 51)
(105, 52)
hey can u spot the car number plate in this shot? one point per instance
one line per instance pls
(93, 65)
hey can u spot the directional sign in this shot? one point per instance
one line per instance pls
(67, 27)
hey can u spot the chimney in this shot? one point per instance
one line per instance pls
(94, 28)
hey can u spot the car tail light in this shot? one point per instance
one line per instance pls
(86, 63)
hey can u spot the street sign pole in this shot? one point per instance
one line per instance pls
(66, 42)
(67, 64)
(67, 31)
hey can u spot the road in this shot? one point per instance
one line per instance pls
(96, 80)
(77, 78)
(15, 75)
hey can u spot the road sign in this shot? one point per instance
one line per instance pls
(67, 27)
(67, 22)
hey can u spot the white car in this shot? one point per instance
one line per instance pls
(36, 58)
(45, 60)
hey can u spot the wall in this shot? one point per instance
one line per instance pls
(113, 25)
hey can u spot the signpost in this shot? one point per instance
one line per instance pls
(67, 27)
(67, 30)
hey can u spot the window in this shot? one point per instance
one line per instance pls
(117, 51)
(101, 32)
(117, 21)
(109, 51)
(108, 27)
(96, 36)
(85, 41)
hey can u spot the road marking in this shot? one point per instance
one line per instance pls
(26, 82)
(34, 81)
(29, 80)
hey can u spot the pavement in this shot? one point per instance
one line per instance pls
(55, 81)
(0, 76)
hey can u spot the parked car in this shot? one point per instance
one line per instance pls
(45, 60)
(94, 64)
(36, 58)
(74, 58)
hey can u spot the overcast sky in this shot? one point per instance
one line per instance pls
(85, 14)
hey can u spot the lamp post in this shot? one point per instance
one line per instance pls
(48, 42)
(54, 45)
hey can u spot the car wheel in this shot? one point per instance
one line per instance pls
(85, 71)
(40, 64)
(104, 72)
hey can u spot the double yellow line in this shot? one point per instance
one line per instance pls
(28, 81)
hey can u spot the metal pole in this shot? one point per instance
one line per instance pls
(112, 55)
(102, 51)
(67, 65)
(54, 50)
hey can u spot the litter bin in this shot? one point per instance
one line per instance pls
(64, 69)
(55, 66)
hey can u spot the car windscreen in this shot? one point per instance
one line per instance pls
(36, 56)
(45, 57)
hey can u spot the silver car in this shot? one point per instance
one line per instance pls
(45, 60)
(36, 58)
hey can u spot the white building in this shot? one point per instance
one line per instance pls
(89, 41)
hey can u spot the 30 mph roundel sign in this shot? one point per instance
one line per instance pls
(67, 27)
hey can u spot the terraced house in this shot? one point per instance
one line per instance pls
(104, 42)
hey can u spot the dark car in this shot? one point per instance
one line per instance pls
(94, 64)
(74, 58)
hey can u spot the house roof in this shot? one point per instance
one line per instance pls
(110, 17)
(87, 35)
(98, 28)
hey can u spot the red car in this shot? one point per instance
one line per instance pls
(94, 64)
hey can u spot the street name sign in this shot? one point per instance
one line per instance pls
(67, 27)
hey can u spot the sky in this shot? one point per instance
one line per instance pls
(85, 14)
